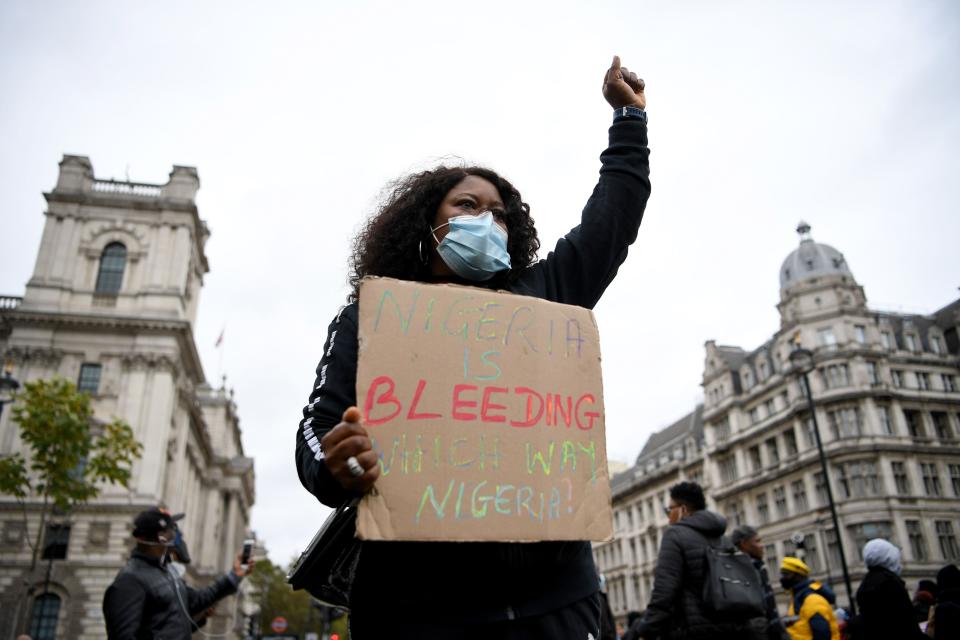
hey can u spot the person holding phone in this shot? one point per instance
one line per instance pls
(469, 225)
(148, 599)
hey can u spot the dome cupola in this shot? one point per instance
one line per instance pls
(810, 260)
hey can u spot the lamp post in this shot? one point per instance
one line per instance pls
(7, 384)
(802, 361)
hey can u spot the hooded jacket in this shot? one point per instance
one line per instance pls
(479, 581)
(811, 603)
(146, 601)
(676, 604)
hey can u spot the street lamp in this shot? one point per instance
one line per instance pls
(802, 361)
(7, 384)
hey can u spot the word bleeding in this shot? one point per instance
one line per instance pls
(486, 404)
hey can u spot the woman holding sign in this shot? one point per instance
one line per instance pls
(471, 226)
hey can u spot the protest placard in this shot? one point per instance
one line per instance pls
(486, 411)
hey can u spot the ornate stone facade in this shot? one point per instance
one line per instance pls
(887, 394)
(111, 304)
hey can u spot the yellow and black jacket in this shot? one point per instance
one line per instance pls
(812, 604)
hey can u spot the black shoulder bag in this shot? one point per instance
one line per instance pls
(732, 589)
(327, 567)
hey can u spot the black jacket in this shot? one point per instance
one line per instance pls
(146, 601)
(885, 609)
(676, 604)
(487, 581)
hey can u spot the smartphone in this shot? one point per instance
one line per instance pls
(245, 555)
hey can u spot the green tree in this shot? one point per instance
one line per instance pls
(277, 598)
(68, 456)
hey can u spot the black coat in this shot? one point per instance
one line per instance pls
(478, 581)
(885, 609)
(146, 601)
(676, 605)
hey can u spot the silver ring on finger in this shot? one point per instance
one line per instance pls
(354, 466)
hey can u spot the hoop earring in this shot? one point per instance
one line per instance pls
(424, 258)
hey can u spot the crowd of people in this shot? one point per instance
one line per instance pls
(885, 610)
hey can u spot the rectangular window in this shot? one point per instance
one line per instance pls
(780, 500)
(948, 541)
(941, 425)
(918, 546)
(820, 486)
(914, 422)
(809, 434)
(931, 479)
(923, 381)
(833, 547)
(736, 513)
(763, 510)
(826, 339)
(886, 339)
(728, 469)
(799, 490)
(89, 380)
(858, 479)
(56, 541)
(860, 332)
(868, 531)
(844, 423)
(900, 478)
(912, 342)
(770, 406)
(812, 557)
(936, 345)
(755, 415)
(790, 441)
(896, 376)
(949, 382)
(723, 429)
(756, 464)
(835, 376)
(886, 424)
(770, 557)
(955, 478)
(773, 453)
(873, 374)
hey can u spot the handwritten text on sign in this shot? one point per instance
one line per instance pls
(486, 410)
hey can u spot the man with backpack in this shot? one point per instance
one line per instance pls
(810, 616)
(747, 540)
(680, 605)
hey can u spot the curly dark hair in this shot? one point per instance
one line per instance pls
(690, 494)
(391, 241)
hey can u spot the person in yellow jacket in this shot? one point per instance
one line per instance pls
(810, 616)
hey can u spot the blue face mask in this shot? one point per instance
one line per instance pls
(475, 247)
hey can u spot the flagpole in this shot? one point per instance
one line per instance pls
(219, 347)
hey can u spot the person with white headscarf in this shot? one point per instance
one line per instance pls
(885, 609)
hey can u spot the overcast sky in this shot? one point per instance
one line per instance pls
(296, 114)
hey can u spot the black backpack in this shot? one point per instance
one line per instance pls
(732, 588)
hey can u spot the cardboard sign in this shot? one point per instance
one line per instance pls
(486, 410)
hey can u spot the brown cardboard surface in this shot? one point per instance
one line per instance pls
(486, 409)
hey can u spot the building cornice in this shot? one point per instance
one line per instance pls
(73, 321)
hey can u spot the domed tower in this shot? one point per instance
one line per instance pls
(816, 282)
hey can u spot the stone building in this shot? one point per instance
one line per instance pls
(887, 398)
(111, 305)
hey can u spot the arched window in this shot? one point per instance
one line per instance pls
(112, 263)
(43, 619)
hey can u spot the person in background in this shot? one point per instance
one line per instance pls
(924, 599)
(882, 599)
(676, 605)
(146, 599)
(810, 615)
(608, 630)
(747, 540)
(944, 621)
